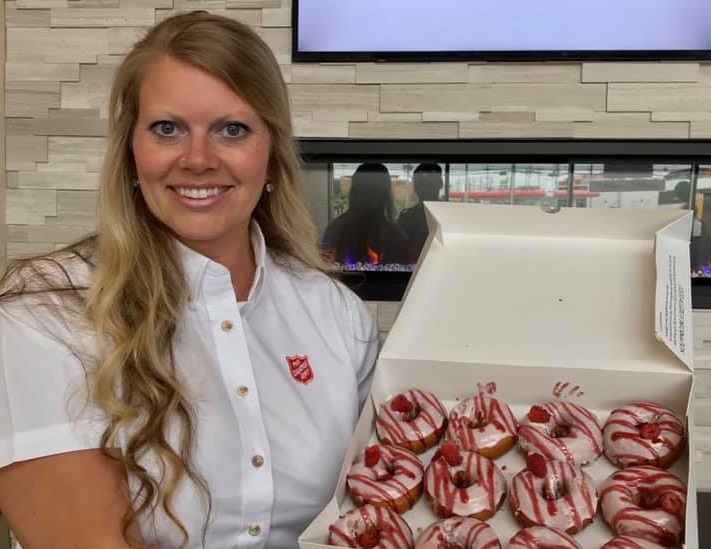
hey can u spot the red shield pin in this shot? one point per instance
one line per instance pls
(300, 368)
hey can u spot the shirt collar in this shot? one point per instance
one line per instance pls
(195, 265)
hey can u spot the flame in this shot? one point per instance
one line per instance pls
(373, 257)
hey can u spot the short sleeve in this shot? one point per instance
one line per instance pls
(43, 408)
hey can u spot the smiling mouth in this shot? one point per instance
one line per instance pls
(198, 193)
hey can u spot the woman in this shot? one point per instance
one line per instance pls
(188, 375)
(366, 233)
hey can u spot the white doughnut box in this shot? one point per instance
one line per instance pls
(592, 304)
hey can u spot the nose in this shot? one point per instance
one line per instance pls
(198, 156)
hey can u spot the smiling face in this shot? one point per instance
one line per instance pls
(202, 156)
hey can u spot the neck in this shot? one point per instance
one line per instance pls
(237, 257)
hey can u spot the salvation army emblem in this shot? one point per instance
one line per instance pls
(300, 368)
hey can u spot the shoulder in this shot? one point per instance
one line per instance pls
(317, 290)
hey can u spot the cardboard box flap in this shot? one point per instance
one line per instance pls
(520, 286)
(673, 297)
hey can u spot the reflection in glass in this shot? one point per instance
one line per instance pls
(609, 184)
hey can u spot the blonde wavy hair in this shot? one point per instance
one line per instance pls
(138, 288)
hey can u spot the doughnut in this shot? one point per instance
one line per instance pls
(483, 424)
(386, 475)
(414, 420)
(645, 501)
(631, 542)
(463, 483)
(541, 537)
(371, 526)
(563, 431)
(643, 433)
(458, 533)
(557, 494)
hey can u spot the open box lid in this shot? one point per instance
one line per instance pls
(578, 288)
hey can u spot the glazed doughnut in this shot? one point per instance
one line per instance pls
(463, 483)
(483, 424)
(541, 537)
(561, 430)
(645, 501)
(556, 494)
(386, 475)
(643, 433)
(371, 526)
(414, 420)
(460, 533)
(630, 542)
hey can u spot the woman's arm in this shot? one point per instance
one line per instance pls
(74, 500)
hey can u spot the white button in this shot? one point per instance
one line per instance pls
(257, 461)
(255, 530)
(226, 325)
(242, 390)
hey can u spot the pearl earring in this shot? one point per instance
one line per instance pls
(269, 187)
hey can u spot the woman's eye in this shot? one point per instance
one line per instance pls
(234, 129)
(165, 128)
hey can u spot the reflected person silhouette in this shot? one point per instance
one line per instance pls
(366, 234)
(427, 181)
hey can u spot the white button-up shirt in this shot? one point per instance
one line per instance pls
(276, 382)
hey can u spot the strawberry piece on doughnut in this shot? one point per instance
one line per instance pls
(450, 452)
(538, 414)
(401, 404)
(369, 538)
(650, 431)
(536, 463)
(372, 455)
(671, 503)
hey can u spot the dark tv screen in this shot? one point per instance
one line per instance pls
(503, 30)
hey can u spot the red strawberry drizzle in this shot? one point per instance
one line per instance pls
(579, 424)
(369, 538)
(538, 440)
(372, 455)
(538, 414)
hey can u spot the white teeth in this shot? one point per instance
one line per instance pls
(198, 193)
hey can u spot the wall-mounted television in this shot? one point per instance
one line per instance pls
(511, 30)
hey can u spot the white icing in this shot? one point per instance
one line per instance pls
(577, 501)
(394, 531)
(618, 501)
(583, 443)
(538, 537)
(487, 488)
(466, 532)
(623, 444)
(467, 428)
(396, 474)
